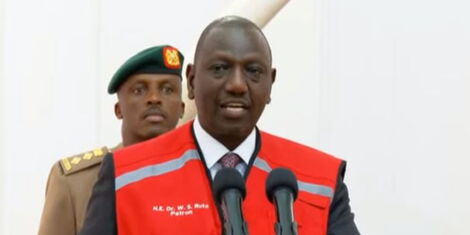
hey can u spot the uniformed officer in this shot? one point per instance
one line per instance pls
(148, 87)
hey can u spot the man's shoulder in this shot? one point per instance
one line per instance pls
(165, 147)
(313, 165)
(279, 144)
(166, 142)
(81, 162)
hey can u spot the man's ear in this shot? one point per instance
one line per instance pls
(117, 111)
(190, 80)
(182, 110)
(273, 75)
(273, 79)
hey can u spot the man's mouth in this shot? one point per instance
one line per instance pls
(154, 118)
(154, 115)
(234, 109)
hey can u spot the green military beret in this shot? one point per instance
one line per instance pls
(163, 59)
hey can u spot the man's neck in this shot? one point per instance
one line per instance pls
(212, 149)
(131, 140)
(230, 142)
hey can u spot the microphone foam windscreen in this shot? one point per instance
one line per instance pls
(281, 177)
(228, 178)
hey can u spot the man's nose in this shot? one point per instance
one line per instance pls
(153, 97)
(236, 83)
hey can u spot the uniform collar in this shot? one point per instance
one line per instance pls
(213, 150)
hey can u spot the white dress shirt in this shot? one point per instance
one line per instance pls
(213, 150)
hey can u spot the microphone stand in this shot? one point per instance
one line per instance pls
(233, 225)
(286, 224)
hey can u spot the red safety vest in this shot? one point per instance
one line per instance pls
(163, 187)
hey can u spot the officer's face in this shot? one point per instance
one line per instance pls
(149, 105)
(231, 82)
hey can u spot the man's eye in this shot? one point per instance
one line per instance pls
(219, 67)
(167, 90)
(138, 91)
(254, 70)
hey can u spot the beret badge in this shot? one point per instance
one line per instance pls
(171, 58)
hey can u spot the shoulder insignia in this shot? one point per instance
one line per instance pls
(84, 160)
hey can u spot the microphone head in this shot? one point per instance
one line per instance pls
(281, 177)
(228, 178)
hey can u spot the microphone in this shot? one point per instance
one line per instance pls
(282, 190)
(229, 190)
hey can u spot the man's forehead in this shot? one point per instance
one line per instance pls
(229, 41)
(156, 77)
(151, 78)
(232, 56)
(231, 33)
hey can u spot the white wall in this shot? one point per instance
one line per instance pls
(382, 84)
(2, 120)
(47, 75)
(57, 58)
(397, 105)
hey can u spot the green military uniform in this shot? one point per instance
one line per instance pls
(68, 190)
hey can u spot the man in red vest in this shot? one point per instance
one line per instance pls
(165, 187)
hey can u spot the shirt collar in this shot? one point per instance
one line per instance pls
(213, 150)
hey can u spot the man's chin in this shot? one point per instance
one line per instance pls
(235, 129)
(154, 132)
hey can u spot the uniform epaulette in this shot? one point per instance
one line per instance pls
(82, 161)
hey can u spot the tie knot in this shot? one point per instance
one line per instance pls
(230, 160)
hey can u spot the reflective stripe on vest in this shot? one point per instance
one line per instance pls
(303, 186)
(156, 169)
(175, 164)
